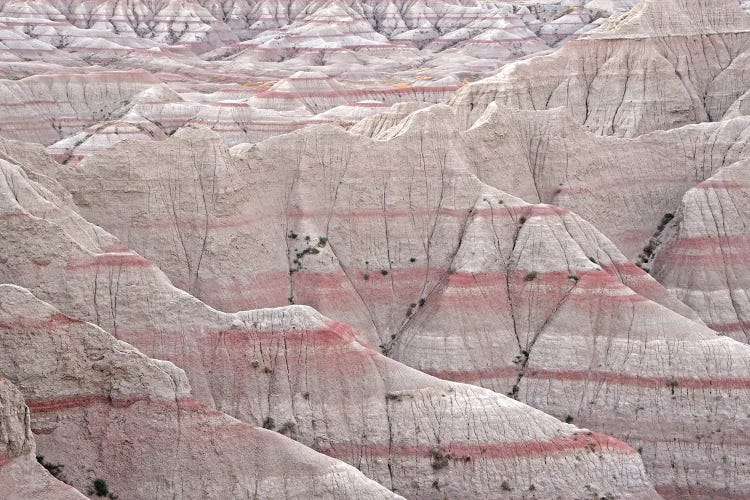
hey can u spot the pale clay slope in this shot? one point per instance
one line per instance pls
(104, 410)
(665, 64)
(496, 290)
(391, 51)
(288, 367)
(21, 476)
(476, 285)
(702, 257)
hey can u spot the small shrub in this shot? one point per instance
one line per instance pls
(366, 276)
(665, 220)
(573, 277)
(593, 260)
(413, 259)
(100, 488)
(384, 272)
(322, 241)
(531, 276)
(268, 423)
(440, 460)
(532, 487)
(55, 469)
(569, 419)
(306, 395)
(505, 485)
(672, 384)
(522, 220)
(648, 250)
(392, 396)
(255, 363)
(452, 270)
(292, 235)
(287, 428)
(421, 302)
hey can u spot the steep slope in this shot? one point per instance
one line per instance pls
(623, 186)
(104, 410)
(449, 275)
(664, 64)
(223, 214)
(295, 371)
(183, 22)
(21, 475)
(702, 258)
(46, 108)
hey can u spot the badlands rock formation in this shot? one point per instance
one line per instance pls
(106, 411)
(296, 372)
(235, 65)
(664, 64)
(447, 274)
(292, 249)
(21, 475)
(701, 257)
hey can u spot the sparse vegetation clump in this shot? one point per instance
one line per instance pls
(287, 428)
(55, 469)
(531, 276)
(100, 488)
(664, 221)
(440, 459)
(268, 423)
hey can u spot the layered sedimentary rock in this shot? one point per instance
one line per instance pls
(183, 22)
(497, 242)
(46, 108)
(451, 276)
(294, 371)
(623, 186)
(702, 256)
(88, 60)
(21, 475)
(105, 411)
(662, 65)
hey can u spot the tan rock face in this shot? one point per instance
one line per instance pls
(447, 274)
(21, 476)
(563, 243)
(313, 379)
(662, 65)
(106, 411)
(701, 257)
